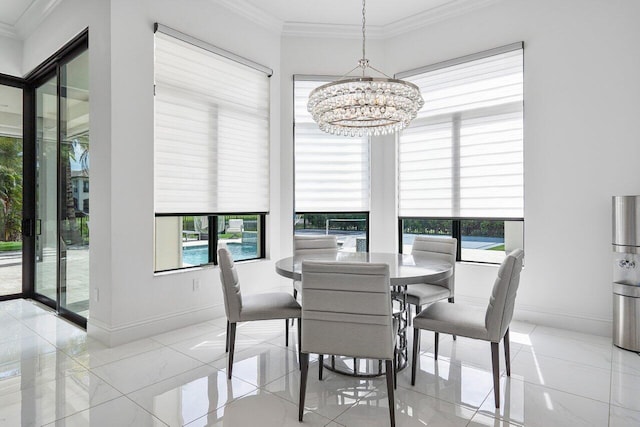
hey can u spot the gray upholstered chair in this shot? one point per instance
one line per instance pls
(304, 245)
(443, 248)
(491, 324)
(347, 311)
(239, 308)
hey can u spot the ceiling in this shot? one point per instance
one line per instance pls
(18, 18)
(12, 10)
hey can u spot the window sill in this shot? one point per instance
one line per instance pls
(205, 267)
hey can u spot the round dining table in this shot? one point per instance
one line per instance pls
(404, 270)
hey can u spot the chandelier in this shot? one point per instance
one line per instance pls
(364, 106)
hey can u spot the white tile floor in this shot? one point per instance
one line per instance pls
(52, 374)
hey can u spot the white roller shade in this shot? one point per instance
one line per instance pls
(211, 132)
(463, 155)
(331, 172)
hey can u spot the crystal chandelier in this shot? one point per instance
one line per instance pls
(363, 106)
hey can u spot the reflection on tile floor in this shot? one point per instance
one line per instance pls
(51, 373)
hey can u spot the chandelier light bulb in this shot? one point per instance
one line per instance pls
(364, 106)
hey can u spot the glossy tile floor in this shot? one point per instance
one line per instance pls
(52, 374)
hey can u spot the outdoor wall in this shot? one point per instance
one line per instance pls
(168, 243)
(581, 143)
(10, 56)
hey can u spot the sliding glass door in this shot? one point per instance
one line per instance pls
(11, 184)
(74, 185)
(61, 277)
(46, 257)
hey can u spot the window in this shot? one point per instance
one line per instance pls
(350, 229)
(199, 237)
(211, 151)
(461, 160)
(331, 177)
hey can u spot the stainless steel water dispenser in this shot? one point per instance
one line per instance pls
(626, 272)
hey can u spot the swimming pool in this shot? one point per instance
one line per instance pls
(197, 255)
(468, 242)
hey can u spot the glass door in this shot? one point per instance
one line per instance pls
(61, 274)
(11, 183)
(46, 226)
(74, 185)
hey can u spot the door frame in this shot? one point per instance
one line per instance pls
(40, 75)
(6, 80)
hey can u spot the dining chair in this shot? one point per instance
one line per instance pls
(303, 245)
(490, 325)
(443, 248)
(347, 311)
(245, 308)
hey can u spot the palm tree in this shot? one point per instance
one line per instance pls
(79, 144)
(10, 187)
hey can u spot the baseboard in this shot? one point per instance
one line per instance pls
(540, 316)
(121, 334)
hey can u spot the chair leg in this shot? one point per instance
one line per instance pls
(295, 297)
(451, 300)
(414, 363)
(304, 358)
(495, 362)
(226, 349)
(299, 341)
(507, 351)
(390, 393)
(437, 341)
(286, 332)
(232, 345)
(320, 365)
(395, 370)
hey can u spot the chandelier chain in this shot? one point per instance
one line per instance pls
(364, 22)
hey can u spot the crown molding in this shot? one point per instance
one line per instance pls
(340, 31)
(9, 31)
(254, 14)
(423, 19)
(40, 9)
(437, 14)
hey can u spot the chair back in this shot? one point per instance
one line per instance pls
(503, 296)
(314, 245)
(443, 248)
(346, 309)
(230, 286)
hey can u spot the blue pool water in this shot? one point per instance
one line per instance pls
(468, 242)
(197, 255)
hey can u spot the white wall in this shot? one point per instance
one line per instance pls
(133, 302)
(581, 142)
(141, 302)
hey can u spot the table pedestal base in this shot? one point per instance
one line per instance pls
(370, 368)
